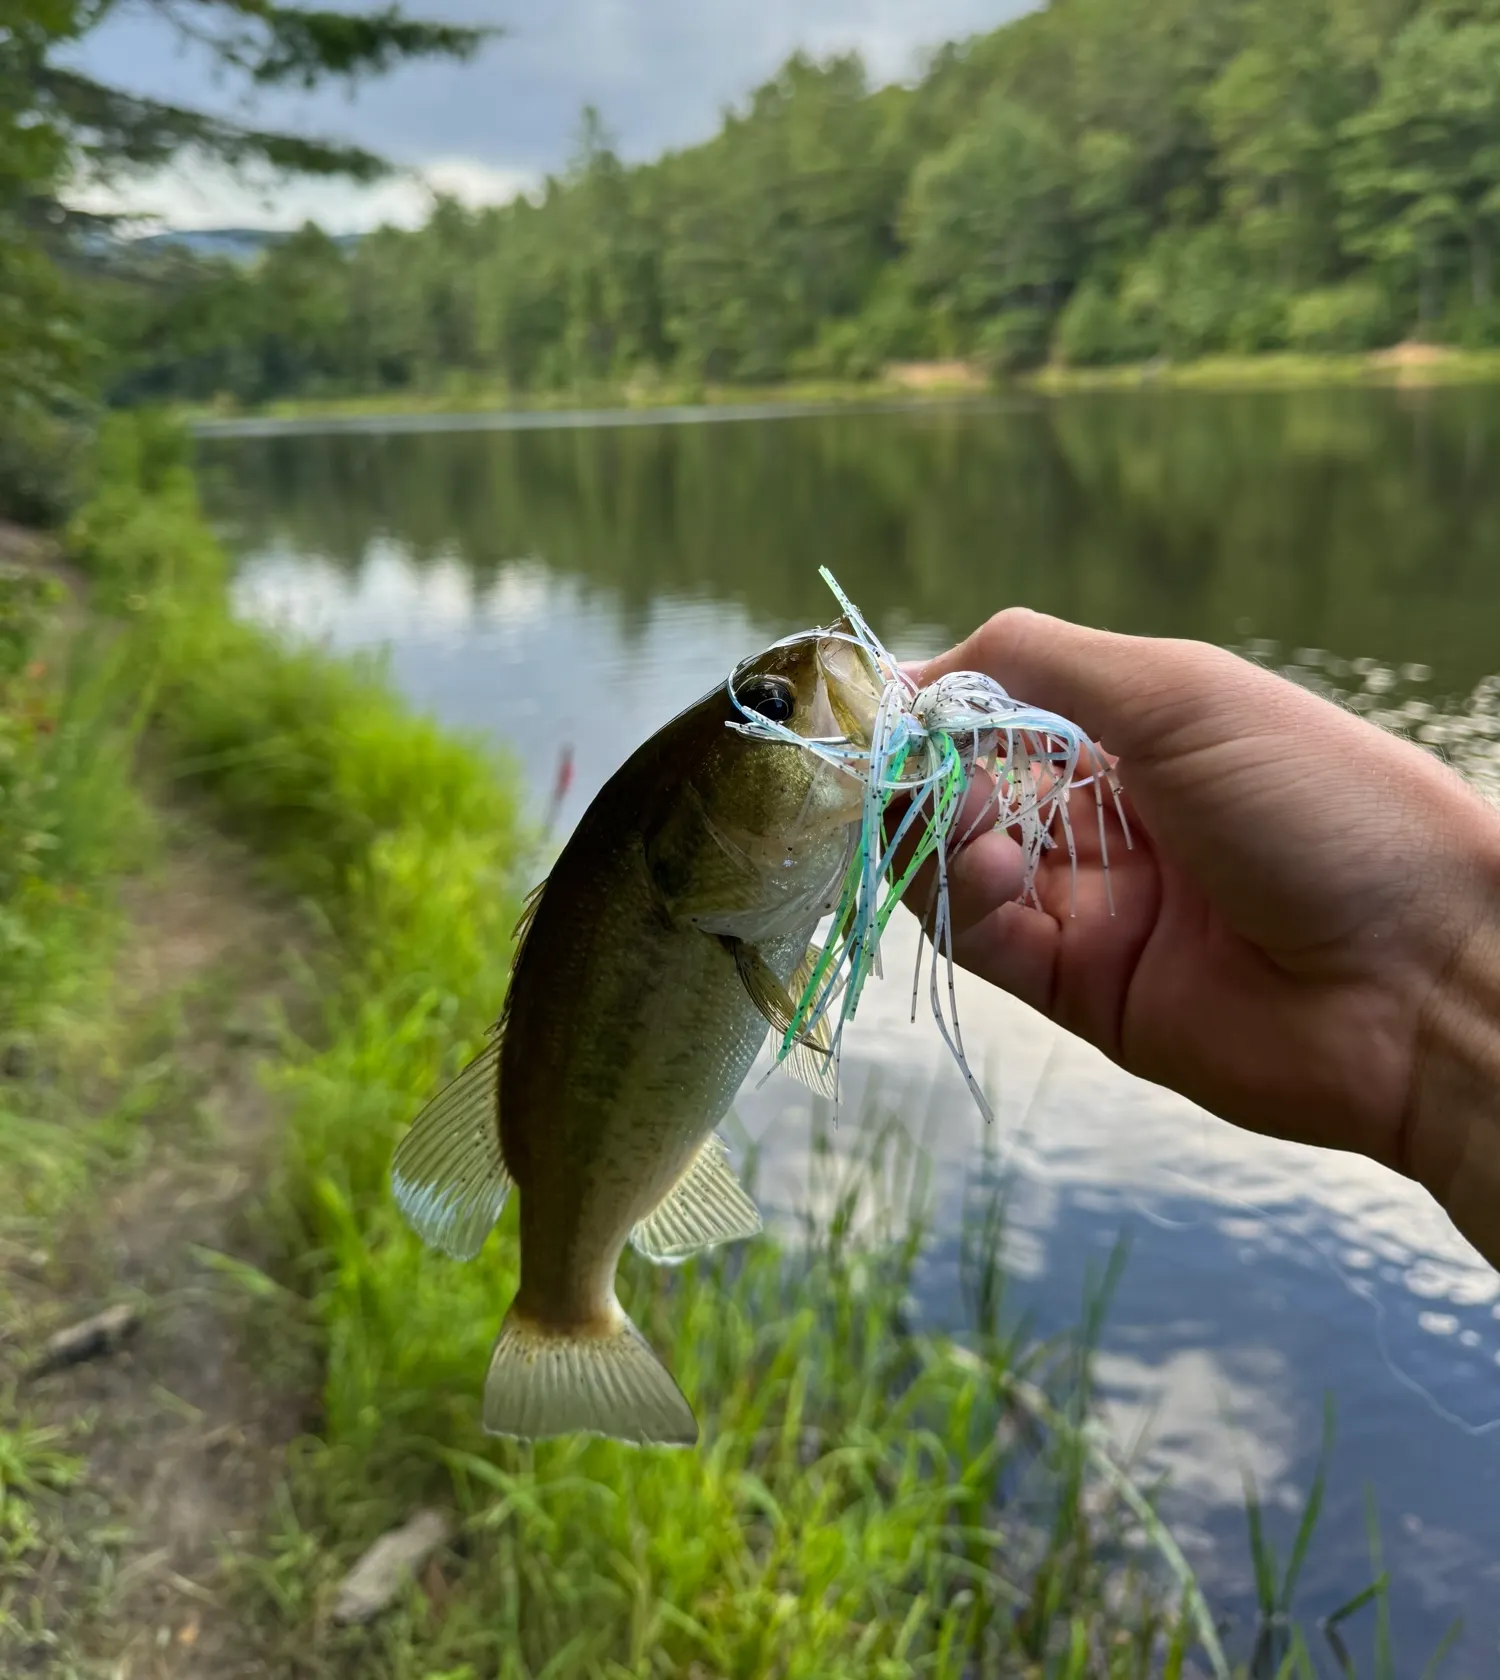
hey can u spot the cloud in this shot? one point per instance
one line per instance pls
(660, 71)
(197, 196)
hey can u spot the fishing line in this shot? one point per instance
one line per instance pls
(1020, 1158)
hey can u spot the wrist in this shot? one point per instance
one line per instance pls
(1453, 1119)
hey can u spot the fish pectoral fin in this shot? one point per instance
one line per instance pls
(448, 1173)
(705, 1207)
(767, 993)
(603, 1381)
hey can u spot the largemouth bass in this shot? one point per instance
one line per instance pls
(675, 925)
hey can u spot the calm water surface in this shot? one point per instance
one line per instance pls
(571, 586)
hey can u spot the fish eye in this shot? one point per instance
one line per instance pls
(770, 696)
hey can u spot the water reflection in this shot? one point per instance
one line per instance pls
(574, 588)
(1358, 521)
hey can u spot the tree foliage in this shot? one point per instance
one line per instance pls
(264, 43)
(1099, 180)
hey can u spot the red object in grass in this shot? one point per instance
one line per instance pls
(564, 776)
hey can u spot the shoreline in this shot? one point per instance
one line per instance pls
(1402, 367)
(609, 406)
(561, 417)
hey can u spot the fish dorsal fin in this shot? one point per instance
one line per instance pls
(704, 1207)
(520, 933)
(528, 914)
(448, 1172)
(524, 923)
(810, 1059)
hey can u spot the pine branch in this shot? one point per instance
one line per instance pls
(276, 45)
(122, 131)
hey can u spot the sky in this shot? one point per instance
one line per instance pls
(660, 71)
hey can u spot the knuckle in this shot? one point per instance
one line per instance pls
(1000, 640)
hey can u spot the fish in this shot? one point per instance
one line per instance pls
(675, 926)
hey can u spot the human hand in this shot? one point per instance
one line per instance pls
(1306, 934)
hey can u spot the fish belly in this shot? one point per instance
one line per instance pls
(654, 1051)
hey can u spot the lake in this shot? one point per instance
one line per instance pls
(567, 583)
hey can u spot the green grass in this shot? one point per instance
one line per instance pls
(867, 1500)
(72, 823)
(70, 816)
(841, 1516)
(35, 1464)
(80, 1088)
(1279, 370)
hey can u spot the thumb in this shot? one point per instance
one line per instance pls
(1139, 696)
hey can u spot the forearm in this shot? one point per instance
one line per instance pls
(1454, 1117)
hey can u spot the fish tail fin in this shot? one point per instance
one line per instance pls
(603, 1381)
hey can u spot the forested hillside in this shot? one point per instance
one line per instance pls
(1102, 180)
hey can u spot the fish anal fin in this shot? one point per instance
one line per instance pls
(605, 1381)
(448, 1173)
(705, 1207)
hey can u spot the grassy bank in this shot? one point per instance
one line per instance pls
(1406, 366)
(72, 822)
(868, 1500)
(1410, 366)
(479, 398)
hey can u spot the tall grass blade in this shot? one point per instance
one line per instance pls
(1311, 1511)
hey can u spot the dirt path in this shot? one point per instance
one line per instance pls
(181, 1428)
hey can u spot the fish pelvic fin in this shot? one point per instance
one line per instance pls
(706, 1206)
(603, 1381)
(448, 1173)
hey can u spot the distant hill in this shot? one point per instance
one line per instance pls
(231, 243)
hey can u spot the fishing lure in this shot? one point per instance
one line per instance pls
(927, 745)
